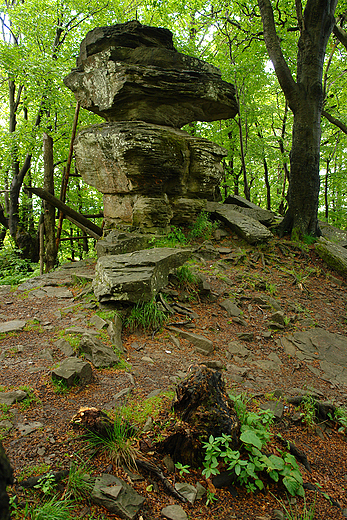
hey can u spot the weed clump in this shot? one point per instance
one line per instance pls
(146, 315)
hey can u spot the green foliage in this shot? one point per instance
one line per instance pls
(292, 513)
(252, 463)
(308, 409)
(340, 416)
(147, 315)
(52, 509)
(46, 484)
(202, 227)
(182, 469)
(116, 444)
(13, 268)
(174, 238)
(31, 471)
(79, 484)
(60, 386)
(137, 412)
(30, 398)
(210, 497)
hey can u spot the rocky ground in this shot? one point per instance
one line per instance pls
(277, 290)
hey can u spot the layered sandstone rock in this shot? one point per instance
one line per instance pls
(151, 173)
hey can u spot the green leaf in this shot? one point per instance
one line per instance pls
(249, 437)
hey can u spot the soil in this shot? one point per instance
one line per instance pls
(294, 276)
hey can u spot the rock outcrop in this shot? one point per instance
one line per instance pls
(150, 173)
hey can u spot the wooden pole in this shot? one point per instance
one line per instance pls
(67, 173)
(83, 223)
(42, 247)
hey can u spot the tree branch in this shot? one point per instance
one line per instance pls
(274, 50)
(341, 35)
(335, 121)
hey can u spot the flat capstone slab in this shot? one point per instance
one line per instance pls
(136, 276)
(15, 396)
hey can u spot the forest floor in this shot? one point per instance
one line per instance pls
(309, 294)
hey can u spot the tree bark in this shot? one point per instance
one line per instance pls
(49, 209)
(305, 99)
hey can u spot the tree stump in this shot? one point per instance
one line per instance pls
(203, 408)
(6, 479)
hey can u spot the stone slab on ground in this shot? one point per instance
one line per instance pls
(174, 512)
(136, 276)
(263, 216)
(246, 227)
(12, 326)
(333, 255)
(72, 370)
(14, 396)
(329, 348)
(116, 496)
(119, 242)
(100, 355)
(203, 345)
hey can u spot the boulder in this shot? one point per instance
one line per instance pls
(147, 81)
(118, 242)
(73, 370)
(246, 227)
(149, 174)
(136, 276)
(6, 479)
(116, 496)
(202, 345)
(333, 255)
(100, 355)
(262, 215)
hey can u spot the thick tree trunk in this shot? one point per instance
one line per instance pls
(305, 98)
(304, 181)
(49, 210)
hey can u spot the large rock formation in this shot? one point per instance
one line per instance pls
(150, 172)
(131, 72)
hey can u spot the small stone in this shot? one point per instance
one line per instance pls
(200, 491)
(231, 308)
(169, 464)
(174, 513)
(148, 426)
(98, 322)
(186, 490)
(246, 336)
(12, 326)
(28, 427)
(147, 359)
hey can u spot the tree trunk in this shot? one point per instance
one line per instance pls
(49, 210)
(305, 98)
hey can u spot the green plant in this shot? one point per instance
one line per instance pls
(340, 416)
(210, 497)
(248, 468)
(173, 238)
(182, 469)
(14, 269)
(52, 509)
(147, 315)
(308, 408)
(33, 325)
(46, 484)
(116, 443)
(293, 513)
(60, 386)
(79, 484)
(138, 412)
(30, 398)
(202, 227)
(30, 471)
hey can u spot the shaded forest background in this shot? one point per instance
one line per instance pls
(39, 43)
